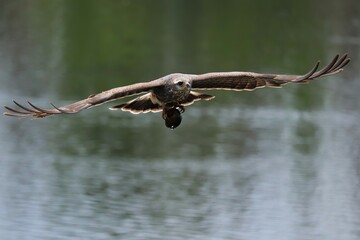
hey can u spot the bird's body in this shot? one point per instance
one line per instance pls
(176, 88)
(170, 94)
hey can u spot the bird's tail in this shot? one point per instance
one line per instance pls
(142, 104)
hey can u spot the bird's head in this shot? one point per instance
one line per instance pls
(182, 84)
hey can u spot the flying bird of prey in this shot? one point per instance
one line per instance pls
(170, 94)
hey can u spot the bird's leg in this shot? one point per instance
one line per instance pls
(170, 108)
(164, 113)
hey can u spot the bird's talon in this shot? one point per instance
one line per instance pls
(181, 109)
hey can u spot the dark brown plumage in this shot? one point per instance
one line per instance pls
(171, 93)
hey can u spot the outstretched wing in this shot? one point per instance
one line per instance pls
(248, 81)
(91, 101)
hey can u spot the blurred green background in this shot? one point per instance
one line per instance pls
(267, 164)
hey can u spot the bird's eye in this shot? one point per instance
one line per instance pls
(180, 83)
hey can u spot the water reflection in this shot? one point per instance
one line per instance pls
(282, 185)
(272, 164)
